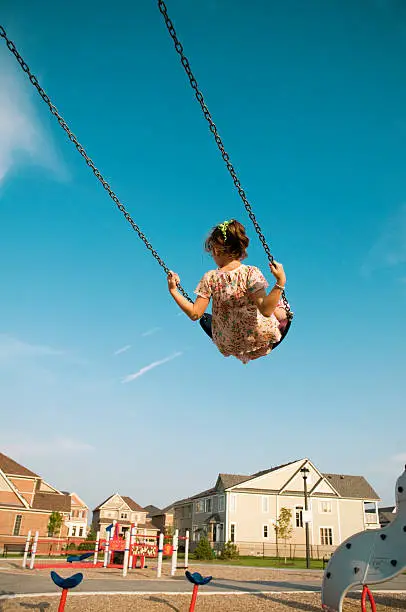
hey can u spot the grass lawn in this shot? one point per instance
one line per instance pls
(263, 562)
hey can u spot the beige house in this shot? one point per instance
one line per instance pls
(124, 511)
(77, 522)
(244, 509)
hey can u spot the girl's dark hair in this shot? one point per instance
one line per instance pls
(235, 243)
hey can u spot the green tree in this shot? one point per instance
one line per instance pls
(91, 534)
(229, 551)
(283, 526)
(55, 524)
(204, 550)
(169, 530)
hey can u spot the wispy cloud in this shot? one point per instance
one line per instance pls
(149, 367)
(27, 448)
(399, 458)
(154, 330)
(389, 250)
(123, 349)
(22, 137)
(12, 348)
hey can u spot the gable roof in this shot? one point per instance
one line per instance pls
(127, 500)
(232, 480)
(12, 468)
(202, 494)
(51, 502)
(353, 487)
(151, 510)
(132, 504)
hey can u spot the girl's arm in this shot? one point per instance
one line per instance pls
(267, 304)
(193, 310)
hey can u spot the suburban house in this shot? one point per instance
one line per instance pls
(244, 509)
(123, 510)
(161, 519)
(27, 501)
(77, 522)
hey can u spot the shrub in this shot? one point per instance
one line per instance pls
(204, 550)
(230, 551)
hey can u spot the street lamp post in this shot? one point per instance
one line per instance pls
(305, 472)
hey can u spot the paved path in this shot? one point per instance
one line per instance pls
(21, 583)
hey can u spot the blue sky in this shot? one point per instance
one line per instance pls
(311, 102)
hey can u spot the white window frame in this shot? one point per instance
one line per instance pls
(19, 519)
(265, 504)
(265, 537)
(199, 506)
(233, 524)
(221, 503)
(328, 503)
(233, 502)
(301, 510)
(208, 501)
(332, 535)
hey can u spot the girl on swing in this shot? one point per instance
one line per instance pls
(246, 320)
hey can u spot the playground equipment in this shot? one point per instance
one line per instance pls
(369, 557)
(65, 584)
(197, 580)
(117, 552)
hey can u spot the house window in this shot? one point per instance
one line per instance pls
(200, 506)
(80, 513)
(195, 533)
(232, 532)
(73, 531)
(17, 524)
(208, 505)
(299, 516)
(221, 503)
(265, 503)
(81, 532)
(124, 515)
(266, 531)
(233, 502)
(326, 536)
(325, 507)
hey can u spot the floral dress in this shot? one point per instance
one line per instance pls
(238, 328)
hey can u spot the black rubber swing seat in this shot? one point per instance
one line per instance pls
(206, 319)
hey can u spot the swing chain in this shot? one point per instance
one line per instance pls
(83, 153)
(213, 128)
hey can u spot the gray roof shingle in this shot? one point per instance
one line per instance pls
(353, 487)
(232, 480)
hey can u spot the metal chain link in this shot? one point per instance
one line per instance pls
(83, 153)
(213, 128)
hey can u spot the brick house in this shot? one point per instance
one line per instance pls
(124, 511)
(26, 503)
(244, 509)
